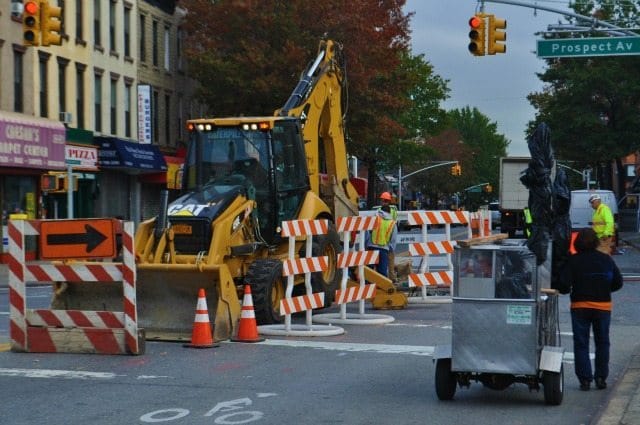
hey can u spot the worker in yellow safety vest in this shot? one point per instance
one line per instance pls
(602, 223)
(383, 236)
(528, 221)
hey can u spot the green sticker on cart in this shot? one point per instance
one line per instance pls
(519, 314)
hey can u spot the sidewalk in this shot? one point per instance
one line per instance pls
(623, 404)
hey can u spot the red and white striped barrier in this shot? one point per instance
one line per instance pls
(294, 266)
(70, 331)
(426, 278)
(355, 258)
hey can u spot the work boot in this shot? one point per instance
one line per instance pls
(601, 384)
(585, 385)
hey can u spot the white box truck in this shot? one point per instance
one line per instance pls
(513, 195)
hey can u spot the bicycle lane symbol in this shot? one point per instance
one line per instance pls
(229, 412)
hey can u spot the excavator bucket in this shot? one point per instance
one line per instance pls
(166, 296)
(387, 295)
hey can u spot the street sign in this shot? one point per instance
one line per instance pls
(64, 239)
(585, 47)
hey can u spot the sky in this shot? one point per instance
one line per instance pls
(497, 85)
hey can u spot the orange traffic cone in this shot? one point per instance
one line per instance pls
(248, 329)
(201, 336)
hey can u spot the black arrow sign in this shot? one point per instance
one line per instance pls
(92, 238)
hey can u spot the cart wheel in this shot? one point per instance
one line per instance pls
(553, 383)
(445, 380)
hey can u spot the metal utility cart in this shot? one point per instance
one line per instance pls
(504, 323)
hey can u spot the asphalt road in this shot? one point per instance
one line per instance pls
(371, 374)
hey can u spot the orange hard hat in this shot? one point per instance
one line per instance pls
(386, 196)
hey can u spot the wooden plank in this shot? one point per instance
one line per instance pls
(465, 243)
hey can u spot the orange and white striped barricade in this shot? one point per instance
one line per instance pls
(480, 223)
(352, 257)
(427, 279)
(305, 265)
(72, 331)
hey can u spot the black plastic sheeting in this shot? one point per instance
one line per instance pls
(549, 202)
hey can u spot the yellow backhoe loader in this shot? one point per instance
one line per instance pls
(242, 177)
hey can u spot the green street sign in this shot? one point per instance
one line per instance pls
(584, 47)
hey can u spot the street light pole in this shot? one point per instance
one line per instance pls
(401, 177)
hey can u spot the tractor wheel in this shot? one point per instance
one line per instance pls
(328, 281)
(445, 380)
(553, 383)
(267, 289)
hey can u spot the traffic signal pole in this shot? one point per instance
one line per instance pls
(593, 21)
(401, 177)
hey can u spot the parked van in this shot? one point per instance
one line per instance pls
(581, 211)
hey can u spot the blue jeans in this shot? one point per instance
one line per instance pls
(582, 321)
(383, 261)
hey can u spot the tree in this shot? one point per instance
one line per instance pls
(591, 104)
(484, 145)
(247, 56)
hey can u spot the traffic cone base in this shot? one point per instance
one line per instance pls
(201, 336)
(247, 328)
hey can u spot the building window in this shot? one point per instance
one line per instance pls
(154, 43)
(18, 81)
(167, 50)
(154, 113)
(44, 88)
(143, 33)
(97, 95)
(127, 32)
(127, 110)
(62, 84)
(80, 95)
(114, 106)
(167, 119)
(179, 37)
(96, 23)
(112, 27)
(180, 114)
(79, 22)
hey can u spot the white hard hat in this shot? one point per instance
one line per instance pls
(594, 197)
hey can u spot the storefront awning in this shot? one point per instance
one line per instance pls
(31, 142)
(130, 157)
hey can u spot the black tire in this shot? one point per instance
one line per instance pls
(329, 280)
(267, 289)
(553, 383)
(445, 380)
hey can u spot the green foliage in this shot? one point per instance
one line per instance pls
(591, 104)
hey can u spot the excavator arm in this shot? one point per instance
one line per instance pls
(317, 102)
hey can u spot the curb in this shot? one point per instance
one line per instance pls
(623, 404)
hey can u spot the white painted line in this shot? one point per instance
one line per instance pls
(416, 350)
(52, 373)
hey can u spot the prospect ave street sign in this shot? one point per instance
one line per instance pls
(583, 47)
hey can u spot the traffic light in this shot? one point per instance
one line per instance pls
(456, 170)
(477, 35)
(488, 188)
(31, 23)
(50, 24)
(49, 182)
(497, 35)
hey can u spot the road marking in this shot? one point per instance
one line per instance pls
(53, 373)
(416, 350)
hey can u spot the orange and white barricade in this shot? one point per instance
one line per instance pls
(434, 279)
(352, 257)
(305, 265)
(71, 331)
(480, 223)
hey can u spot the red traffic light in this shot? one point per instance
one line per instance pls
(475, 22)
(31, 7)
